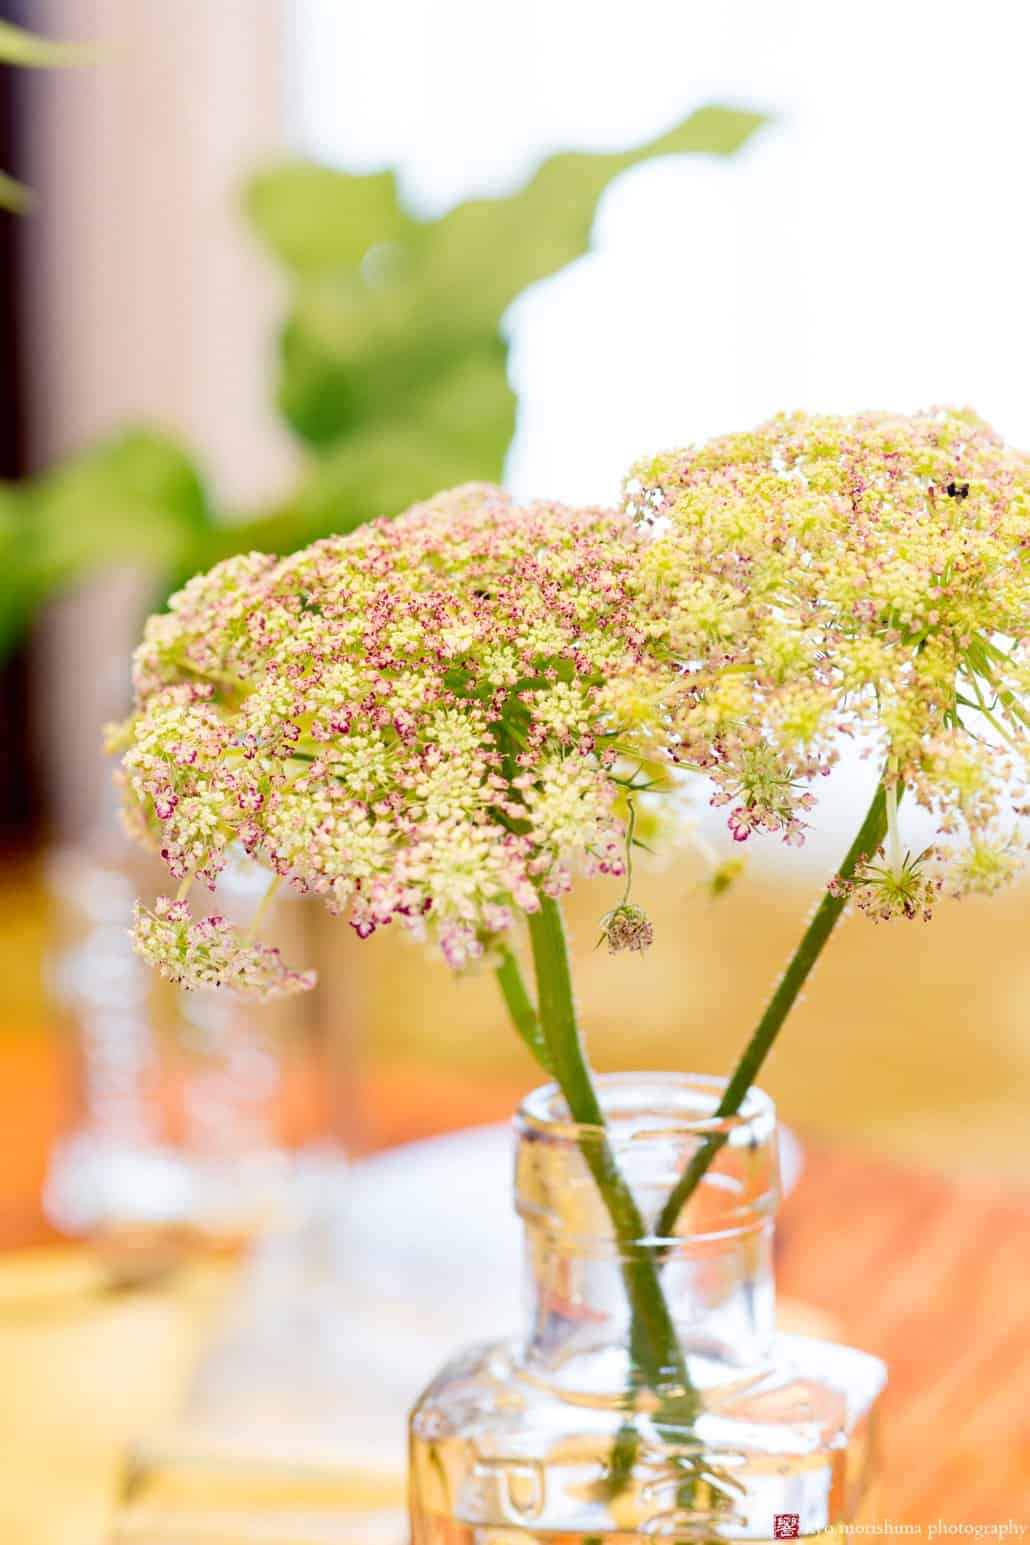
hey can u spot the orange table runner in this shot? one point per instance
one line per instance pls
(933, 1275)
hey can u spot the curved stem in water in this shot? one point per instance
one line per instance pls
(827, 915)
(552, 1034)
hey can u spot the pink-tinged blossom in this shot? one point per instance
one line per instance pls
(208, 952)
(418, 722)
(627, 927)
(884, 893)
(865, 576)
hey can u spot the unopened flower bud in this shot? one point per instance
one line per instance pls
(627, 927)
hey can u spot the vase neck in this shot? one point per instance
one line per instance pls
(715, 1261)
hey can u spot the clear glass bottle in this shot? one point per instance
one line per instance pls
(557, 1439)
(195, 1119)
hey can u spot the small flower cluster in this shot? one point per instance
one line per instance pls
(884, 891)
(209, 953)
(422, 720)
(866, 576)
(627, 927)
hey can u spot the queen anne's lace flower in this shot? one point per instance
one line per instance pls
(420, 721)
(867, 576)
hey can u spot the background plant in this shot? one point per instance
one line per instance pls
(393, 371)
(28, 50)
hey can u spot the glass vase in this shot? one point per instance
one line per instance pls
(561, 1436)
(195, 1120)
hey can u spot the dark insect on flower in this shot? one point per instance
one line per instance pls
(957, 490)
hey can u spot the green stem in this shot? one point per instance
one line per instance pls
(869, 839)
(255, 923)
(631, 826)
(520, 1008)
(654, 1345)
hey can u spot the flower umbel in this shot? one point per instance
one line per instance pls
(866, 576)
(208, 952)
(419, 721)
(886, 891)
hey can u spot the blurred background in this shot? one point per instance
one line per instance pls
(292, 265)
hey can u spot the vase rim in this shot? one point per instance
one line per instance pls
(689, 1101)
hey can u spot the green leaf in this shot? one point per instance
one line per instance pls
(351, 356)
(134, 498)
(721, 131)
(26, 48)
(317, 220)
(14, 542)
(457, 431)
(393, 367)
(495, 248)
(29, 49)
(387, 307)
(14, 195)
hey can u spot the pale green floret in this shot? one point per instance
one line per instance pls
(984, 868)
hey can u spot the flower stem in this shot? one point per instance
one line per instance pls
(654, 1345)
(894, 858)
(870, 837)
(631, 826)
(520, 1008)
(255, 923)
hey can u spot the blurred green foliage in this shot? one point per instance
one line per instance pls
(393, 369)
(17, 46)
(27, 49)
(135, 498)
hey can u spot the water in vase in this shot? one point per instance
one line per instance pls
(651, 1397)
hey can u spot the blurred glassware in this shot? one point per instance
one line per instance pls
(196, 1118)
(294, 1425)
